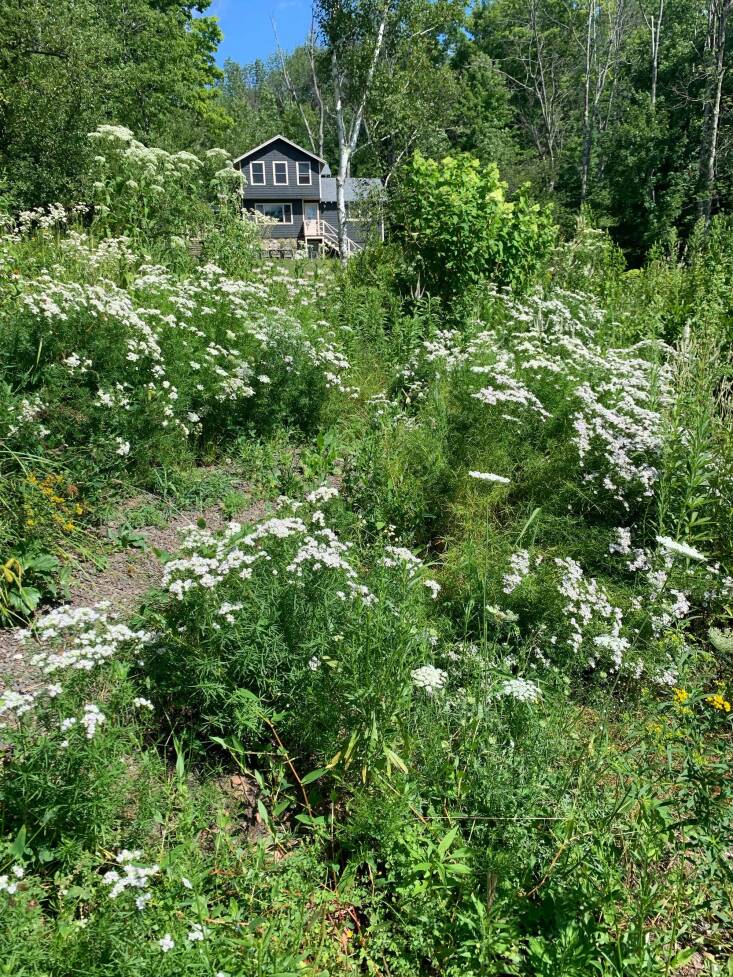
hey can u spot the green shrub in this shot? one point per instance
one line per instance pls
(458, 229)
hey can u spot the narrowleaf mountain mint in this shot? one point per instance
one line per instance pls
(490, 477)
(622, 544)
(616, 645)
(84, 636)
(401, 556)
(15, 704)
(130, 876)
(676, 548)
(587, 601)
(433, 586)
(11, 887)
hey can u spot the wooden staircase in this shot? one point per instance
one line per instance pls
(328, 235)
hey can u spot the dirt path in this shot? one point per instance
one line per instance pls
(123, 581)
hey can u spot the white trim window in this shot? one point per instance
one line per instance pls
(280, 172)
(281, 213)
(257, 174)
(304, 174)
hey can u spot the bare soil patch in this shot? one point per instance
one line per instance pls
(127, 575)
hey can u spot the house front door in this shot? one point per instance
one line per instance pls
(310, 219)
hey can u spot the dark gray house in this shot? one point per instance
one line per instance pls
(294, 187)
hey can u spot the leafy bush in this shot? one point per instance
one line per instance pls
(291, 631)
(458, 229)
(159, 195)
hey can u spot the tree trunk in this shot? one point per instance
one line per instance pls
(343, 162)
(656, 32)
(715, 51)
(317, 90)
(587, 116)
(348, 140)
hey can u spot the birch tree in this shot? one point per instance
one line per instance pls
(354, 34)
(654, 22)
(605, 32)
(714, 72)
(314, 129)
(531, 44)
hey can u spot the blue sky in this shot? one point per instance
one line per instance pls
(247, 26)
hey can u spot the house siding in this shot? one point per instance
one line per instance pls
(281, 152)
(294, 230)
(356, 231)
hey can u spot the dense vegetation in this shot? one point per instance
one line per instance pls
(619, 106)
(437, 677)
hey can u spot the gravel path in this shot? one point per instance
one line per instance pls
(123, 581)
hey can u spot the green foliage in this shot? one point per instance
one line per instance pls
(459, 230)
(158, 194)
(68, 67)
(453, 695)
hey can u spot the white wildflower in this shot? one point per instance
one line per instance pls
(490, 477)
(521, 689)
(519, 563)
(680, 549)
(433, 586)
(429, 678)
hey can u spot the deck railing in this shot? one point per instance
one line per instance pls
(328, 234)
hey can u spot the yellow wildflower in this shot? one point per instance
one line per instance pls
(681, 696)
(718, 702)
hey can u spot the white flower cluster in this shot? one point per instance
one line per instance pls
(587, 603)
(675, 548)
(90, 719)
(520, 566)
(490, 477)
(81, 638)
(521, 689)
(261, 343)
(507, 389)
(429, 678)
(16, 704)
(130, 876)
(11, 887)
(211, 559)
(616, 396)
(400, 556)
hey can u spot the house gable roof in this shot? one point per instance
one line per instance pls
(355, 188)
(267, 142)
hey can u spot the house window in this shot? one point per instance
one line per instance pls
(304, 174)
(257, 174)
(282, 213)
(280, 173)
